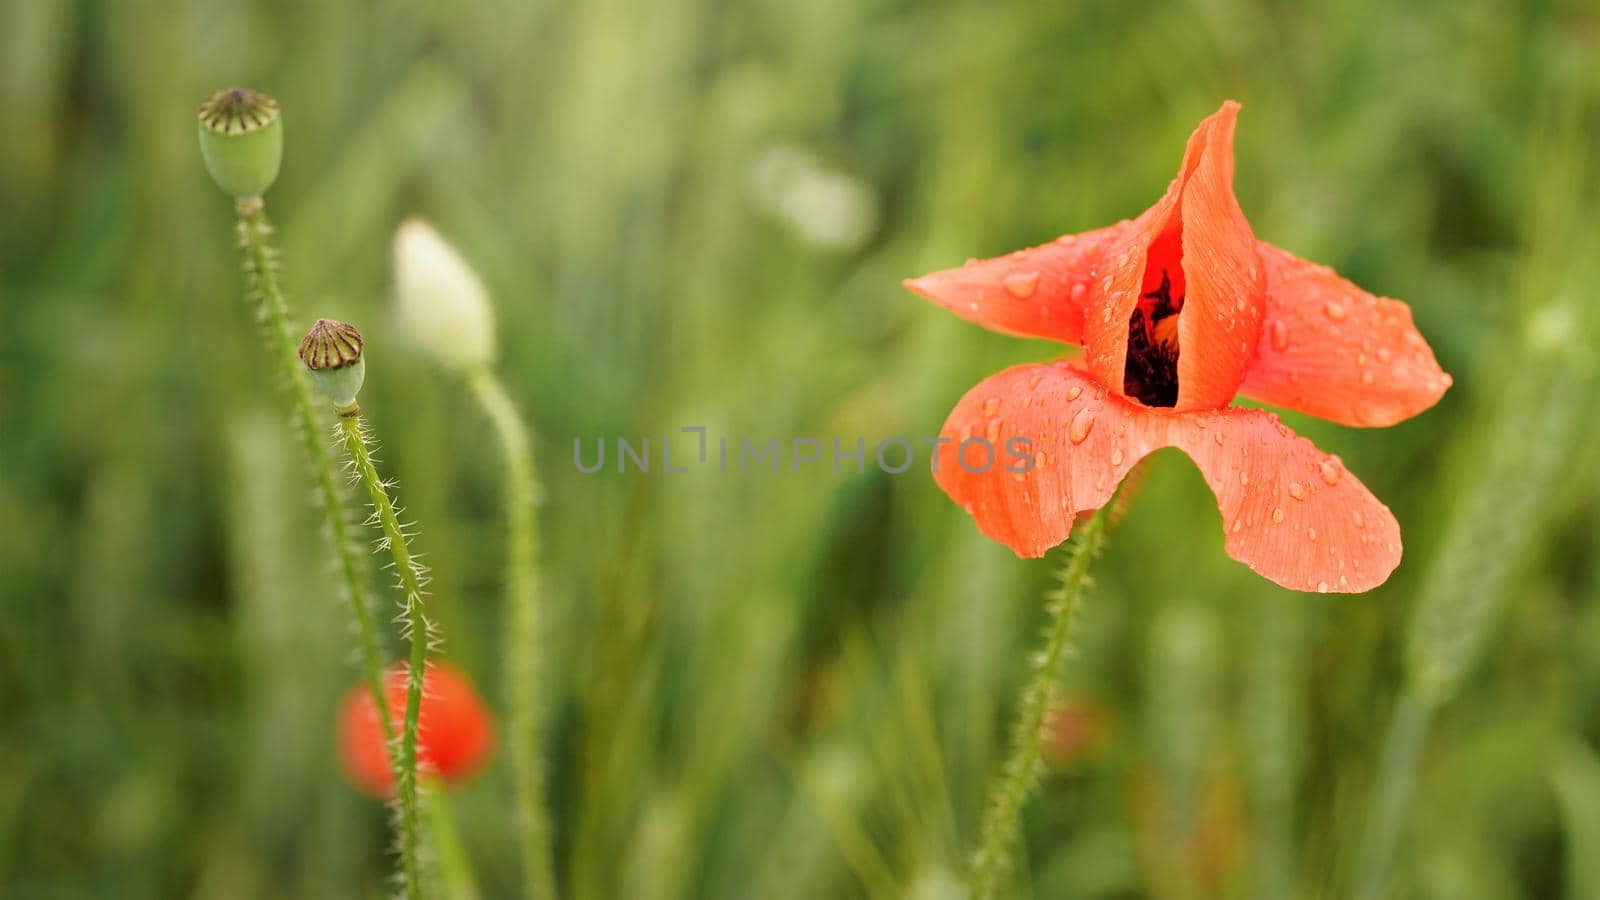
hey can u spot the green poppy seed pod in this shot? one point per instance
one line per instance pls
(332, 352)
(443, 307)
(241, 140)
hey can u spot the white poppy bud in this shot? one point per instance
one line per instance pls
(443, 307)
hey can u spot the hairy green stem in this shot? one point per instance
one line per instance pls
(411, 578)
(522, 634)
(1017, 777)
(260, 262)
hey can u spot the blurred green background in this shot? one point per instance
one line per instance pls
(793, 685)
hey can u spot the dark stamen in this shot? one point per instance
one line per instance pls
(1150, 374)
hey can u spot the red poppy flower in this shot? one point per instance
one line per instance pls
(1178, 311)
(454, 731)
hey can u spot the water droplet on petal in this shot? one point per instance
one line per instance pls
(1322, 587)
(1074, 392)
(1021, 285)
(1078, 290)
(1201, 421)
(991, 406)
(1384, 355)
(1277, 515)
(1217, 436)
(1311, 534)
(1335, 311)
(1081, 423)
(1033, 382)
(993, 434)
(1116, 456)
(1297, 490)
(1244, 477)
(1040, 459)
(1331, 470)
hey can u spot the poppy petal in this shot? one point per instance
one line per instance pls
(455, 730)
(1040, 292)
(1221, 321)
(1114, 297)
(1223, 291)
(1291, 512)
(1332, 350)
(1078, 438)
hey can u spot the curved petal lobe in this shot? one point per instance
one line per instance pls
(1332, 350)
(1077, 434)
(1221, 321)
(1040, 292)
(1291, 512)
(1119, 282)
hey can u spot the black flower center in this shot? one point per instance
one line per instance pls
(1150, 374)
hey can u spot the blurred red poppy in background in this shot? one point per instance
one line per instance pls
(1179, 311)
(455, 733)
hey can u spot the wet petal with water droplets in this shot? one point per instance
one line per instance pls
(1291, 512)
(1069, 423)
(1216, 254)
(1040, 292)
(1309, 528)
(1332, 350)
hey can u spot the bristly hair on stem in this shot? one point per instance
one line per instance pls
(1017, 777)
(272, 311)
(411, 579)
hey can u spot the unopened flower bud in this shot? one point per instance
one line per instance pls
(332, 352)
(241, 139)
(443, 307)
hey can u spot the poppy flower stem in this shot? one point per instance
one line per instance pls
(1000, 821)
(522, 632)
(261, 269)
(415, 627)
